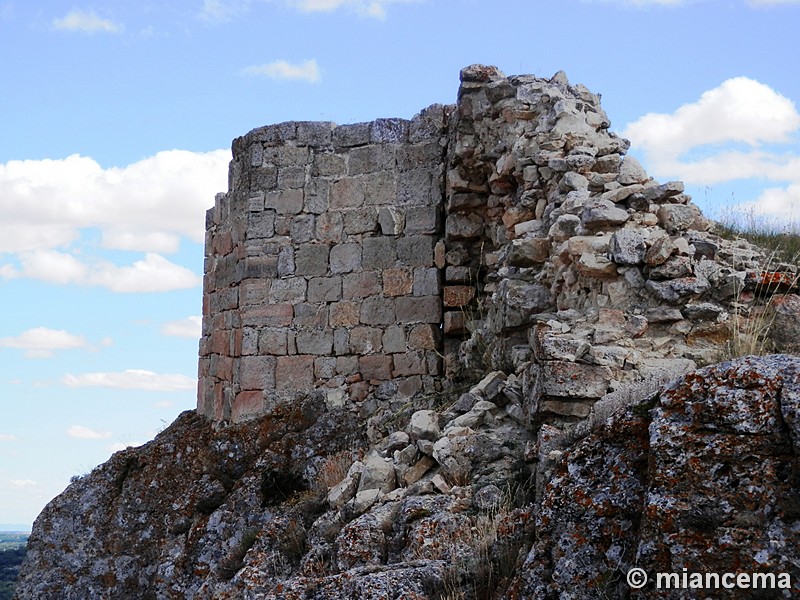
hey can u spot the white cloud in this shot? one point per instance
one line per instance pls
(280, 69)
(86, 21)
(7, 437)
(366, 8)
(163, 404)
(21, 483)
(144, 206)
(147, 206)
(154, 273)
(41, 342)
(190, 327)
(85, 433)
(132, 379)
(742, 129)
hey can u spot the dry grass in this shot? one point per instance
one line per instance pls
(333, 470)
(781, 239)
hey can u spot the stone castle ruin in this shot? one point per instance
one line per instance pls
(509, 232)
(454, 357)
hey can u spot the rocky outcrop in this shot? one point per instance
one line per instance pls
(455, 357)
(702, 475)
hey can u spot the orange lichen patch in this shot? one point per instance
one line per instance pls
(772, 281)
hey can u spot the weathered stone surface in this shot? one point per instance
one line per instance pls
(529, 252)
(564, 227)
(597, 267)
(603, 213)
(677, 217)
(424, 425)
(627, 247)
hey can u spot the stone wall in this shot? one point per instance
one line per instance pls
(378, 262)
(320, 268)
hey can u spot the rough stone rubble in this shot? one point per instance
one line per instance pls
(515, 439)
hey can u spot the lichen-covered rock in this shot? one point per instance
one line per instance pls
(703, 477)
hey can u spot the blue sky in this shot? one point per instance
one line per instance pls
(116, 119)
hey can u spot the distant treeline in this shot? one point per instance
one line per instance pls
(10, 560)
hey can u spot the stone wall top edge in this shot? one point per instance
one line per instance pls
(429, 123)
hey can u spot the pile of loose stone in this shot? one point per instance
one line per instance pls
(587, 274)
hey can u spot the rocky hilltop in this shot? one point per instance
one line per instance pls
(457, 357)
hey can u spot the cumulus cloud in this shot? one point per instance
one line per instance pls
(132, 379)
(742, 129)
(21, 483)
(86, 21)
(85, 433)
(190, 327)
(307, 71)
(7, 437)
(42, 342)
(153, 273)
(147, 206)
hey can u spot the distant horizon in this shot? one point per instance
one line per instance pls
(15, 528)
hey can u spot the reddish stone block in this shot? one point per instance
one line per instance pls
(294, 372)
(454, 323)
(361, 285)
(458, 295)
(423, 337)
(409, 363)
(256, 372)
(270, 315)
(246, 404)
(397, 282)
(376, 367)
(220, 342)
(344, 314)
(358, 391)
(423, 309)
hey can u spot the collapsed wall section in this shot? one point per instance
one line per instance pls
(320, 268)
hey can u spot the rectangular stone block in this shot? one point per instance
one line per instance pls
(272, 341)
(311, 259)
(310, 316)
(394, 339)
(286, 156)
(294, 372)
(256, 372)
(378, 311)
(269, 315)
(423, 337)
(249, 340)
(397, 282)
(416, 188)
(391, 131)
(416, 250)
(418, 156)
(264, 178)
(427, 281)
(369, 159)
(361, 220)
(422, 309)
(315, 133)
(409, 363)
(291, 289)
(381, 188)
(341, 341)
(330, 227)
(379, 252)
(325, 289)
(247, 404)
(366, 340)
(361, 285)
(344, 314)
(302, 229)
(346, 365)
(454, 323)
(259, 267)
(314, 342)
(291, 177)
(347, 136)
(375, 367)
(316, 196)
(348, 192)
(253, 292)
(284, 202)
(422, 219)
(327, 164)
(458, 295)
